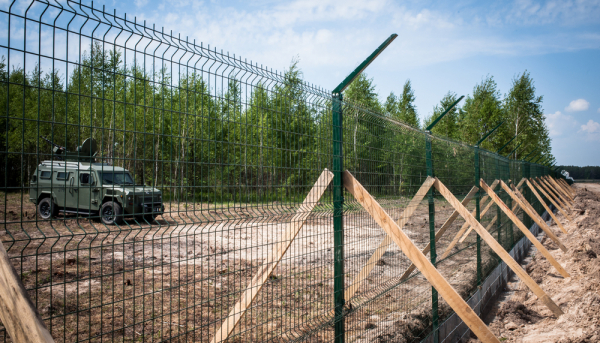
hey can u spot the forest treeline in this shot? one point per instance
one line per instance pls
(219, 137)
(587, 172)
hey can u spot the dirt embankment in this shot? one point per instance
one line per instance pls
(521, 317)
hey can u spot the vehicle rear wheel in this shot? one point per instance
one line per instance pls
(111, 213)
(47, 209)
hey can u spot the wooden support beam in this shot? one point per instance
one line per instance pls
(531, 212)
(453, 299)
(541, 189)
(17, 312)
(466, 234)
(566, 198)
(560, 189)
(466, 224)
(387, 241)
(568, 187)
(275, 257)
(496, 247)
(541, 200)
(442, 230)
(565, 189)
(524, 229)
(552, 192)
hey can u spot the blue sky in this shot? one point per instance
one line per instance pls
(441, 47)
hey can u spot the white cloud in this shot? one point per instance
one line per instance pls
(330, 34)
(592, 129)
(577, 105)
(559, 124)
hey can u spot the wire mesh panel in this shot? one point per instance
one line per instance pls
(157, 189)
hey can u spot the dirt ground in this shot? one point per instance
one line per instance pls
(179, 277)
(519, 316)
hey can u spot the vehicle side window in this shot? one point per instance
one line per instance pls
(45, 175)
(61, 176)
(84, 179)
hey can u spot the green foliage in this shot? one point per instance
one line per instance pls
(403, 108)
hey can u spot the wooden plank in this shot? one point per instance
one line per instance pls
(541, 200)
(496, 247)
(564, 198)
(564, 213)
(568, 187)
(526, 206)
(275, 257)
(461, 232)
(553, 193)
(466, 234)
(481, 214)
(524, 229)
(560, 189)
(17, 312)
(442, 230)
(564, 188)
(453, 299)
(387, 241)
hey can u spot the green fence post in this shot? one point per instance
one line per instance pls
(338, 195)
(338, 220)
(478, 214)
(432, 252)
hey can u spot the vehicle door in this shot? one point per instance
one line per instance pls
(60, 187)
(88, 191)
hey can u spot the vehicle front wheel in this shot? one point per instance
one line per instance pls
(47, 209)
(111, 213)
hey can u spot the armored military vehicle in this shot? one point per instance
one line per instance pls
(74, 183)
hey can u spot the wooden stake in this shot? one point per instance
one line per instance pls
(526, 206)
(462, 239)
(275, 257)
(441, 231)
(553, 192)
(496, 247)
(453, 299)
(560, 189)
(541, 189)
(541, 200)
(387, 241)
(524, 229)
(568, 187)
(17, 312)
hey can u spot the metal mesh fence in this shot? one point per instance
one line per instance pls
(207, 183)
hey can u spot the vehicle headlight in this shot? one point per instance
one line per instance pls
(129, 197)
(160, 196)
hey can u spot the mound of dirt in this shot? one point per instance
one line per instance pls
(524, 318)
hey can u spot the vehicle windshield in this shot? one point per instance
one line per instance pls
(116, 178)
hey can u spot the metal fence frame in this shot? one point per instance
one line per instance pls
(258, 139)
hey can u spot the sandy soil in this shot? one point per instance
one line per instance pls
(521, 317)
